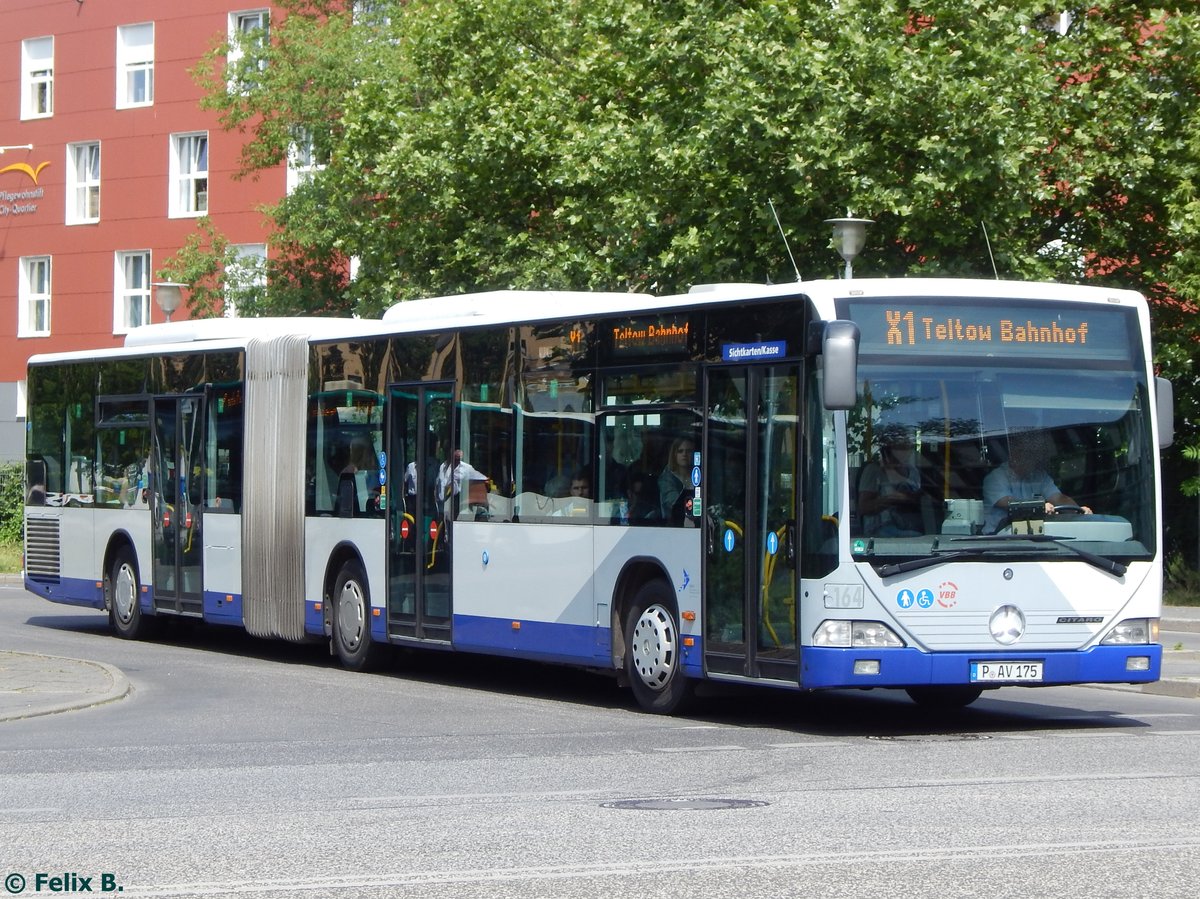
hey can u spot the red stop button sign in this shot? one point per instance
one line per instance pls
(433, 530)
(404, 529)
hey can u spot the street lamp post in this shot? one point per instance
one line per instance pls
(168, 295)
(849, 238)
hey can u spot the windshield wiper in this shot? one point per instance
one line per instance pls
(918, 564)
(1112, 566)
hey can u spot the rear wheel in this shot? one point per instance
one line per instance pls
(352, 620)
(124, 591)
(944, 697)
(652, 652)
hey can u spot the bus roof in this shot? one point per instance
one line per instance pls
(499, 307)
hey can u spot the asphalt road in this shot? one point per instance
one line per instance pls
(242, 767)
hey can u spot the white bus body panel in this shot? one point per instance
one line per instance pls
(223, 554)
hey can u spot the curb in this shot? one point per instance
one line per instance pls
(118, 688)
(1184, 625)
(1180, 687)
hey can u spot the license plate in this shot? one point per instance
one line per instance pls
(984, 672)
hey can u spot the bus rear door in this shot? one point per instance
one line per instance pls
(177, 486)
(419, 441)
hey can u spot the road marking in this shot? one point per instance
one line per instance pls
(656, 867)
(821, 743)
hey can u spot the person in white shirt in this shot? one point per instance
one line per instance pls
(1022, 477)
(451, 475)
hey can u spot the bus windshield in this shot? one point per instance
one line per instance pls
(1000, 429)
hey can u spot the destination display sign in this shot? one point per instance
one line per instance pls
(649, 336)
(993, 328)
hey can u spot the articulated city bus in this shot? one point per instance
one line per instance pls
(791, 485)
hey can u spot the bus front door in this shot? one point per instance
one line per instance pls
(176, 488)
(419, 441)
(751, 475)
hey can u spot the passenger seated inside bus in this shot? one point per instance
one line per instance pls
(676, 478)
(889, 490)
(641, 502)
(1023, 477)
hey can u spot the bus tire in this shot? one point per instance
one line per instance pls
(124, 591)
(944, 698)
(652, 652)
(352, 619)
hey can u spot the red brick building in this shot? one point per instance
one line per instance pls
(108, 162)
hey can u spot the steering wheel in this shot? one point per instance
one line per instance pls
(1068, 509)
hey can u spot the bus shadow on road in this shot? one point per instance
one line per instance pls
(890, 714)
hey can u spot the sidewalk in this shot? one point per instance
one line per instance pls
(1179, 633)
(33, 685)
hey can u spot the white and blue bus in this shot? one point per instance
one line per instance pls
(784, 485)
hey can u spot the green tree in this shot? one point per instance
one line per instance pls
(631, 144)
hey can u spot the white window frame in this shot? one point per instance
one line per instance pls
(302, 162)
(134, 59)
(238, 271)
(241, 23)
(189, 183)
(83, 183)
(33, 297)
(131, 302)
(37, 78)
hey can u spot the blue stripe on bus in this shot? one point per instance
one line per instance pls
(69, 590)
(223, 608)
(550, 641)
(825, 667)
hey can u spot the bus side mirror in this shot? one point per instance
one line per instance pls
(839, 349)
(1164, 399)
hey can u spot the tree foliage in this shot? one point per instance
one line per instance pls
(634, 144)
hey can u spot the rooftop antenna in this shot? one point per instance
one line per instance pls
(988, 241)
(786, 246)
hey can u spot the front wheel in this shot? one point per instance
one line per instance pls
(944, 698)
(652, 652)
(352, 620)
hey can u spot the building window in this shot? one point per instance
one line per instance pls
(304, 160)
(189, 175)
(135, 65)
(34, 297)
(83, 183)
(246, 276)
(37, 78)
(132, 292)
(249, 31)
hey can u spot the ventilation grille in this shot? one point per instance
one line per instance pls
(43, 560)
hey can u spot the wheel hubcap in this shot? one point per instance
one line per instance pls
(654, 647)
(352, 615)
(124, 594)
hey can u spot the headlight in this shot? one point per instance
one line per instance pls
(858, 634)
(1133, 631)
